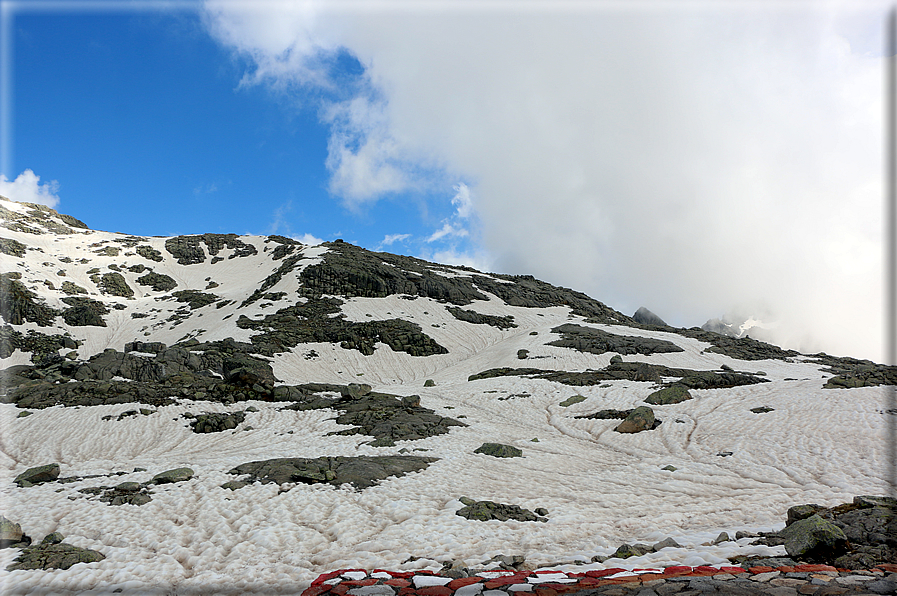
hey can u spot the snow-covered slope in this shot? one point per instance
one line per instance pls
(335, 314)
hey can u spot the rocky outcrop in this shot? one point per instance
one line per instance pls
(668, 395)
(149, 253)
(188, 250)
(312, 322)
(490, 510)
(84, 312)
(51, 555)
(215, 422)
(114, 284)
(470, 316)
(361, 472)
(11, 247)
(596, 341)
(646, 317)
(157, 281)
(631, 371)
(741, 348)
(19, 304)
(857, 535)
(194, 298)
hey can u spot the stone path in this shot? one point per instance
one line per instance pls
(800, 580)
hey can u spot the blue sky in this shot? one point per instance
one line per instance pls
(141, 119)
(699, 159)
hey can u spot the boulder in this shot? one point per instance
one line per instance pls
(31, 476)
(175, 475)
(641, 418)
(357, 390)
(572, 400)
(490, 510)
(668, 395)
(814, 539)
(498, 450)
(11, 533)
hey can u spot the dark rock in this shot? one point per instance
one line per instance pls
(150, 253)
(358, 390)
(72, 288)
(814, 539)
(216, 422)
(361, 472)
(19, 304)
(175, 475)
(84, 312)
(799, 512)
(388, 419)
(646, 317)
(741, 348)
(38, 475)
(115, 284)
(665, 543)
(311, 322)
(11, 247)
(631, 550)
(641, 418)
(498, 450)
(572, 400)
(429, 383)
(186, 249)
(54, 556)
(470, 316)
(669, 395)
(489, 510)
(596, 341)
(762, 410)
(150, 347)
(159, 282)
(54, 538)
(522, 354)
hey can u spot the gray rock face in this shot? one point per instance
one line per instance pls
(498, 450)
(8, 246)
(361, 472)
(19, 304)
(31, 476)
(216, 422)
(84, 312)
(646, 317)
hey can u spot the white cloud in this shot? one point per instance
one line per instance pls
(692, 158)
(391, 239)
(447, 230)
(26, 188)
(462, 201)
(308, 239)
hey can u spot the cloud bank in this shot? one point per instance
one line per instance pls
(696, 159)
(27, 188)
